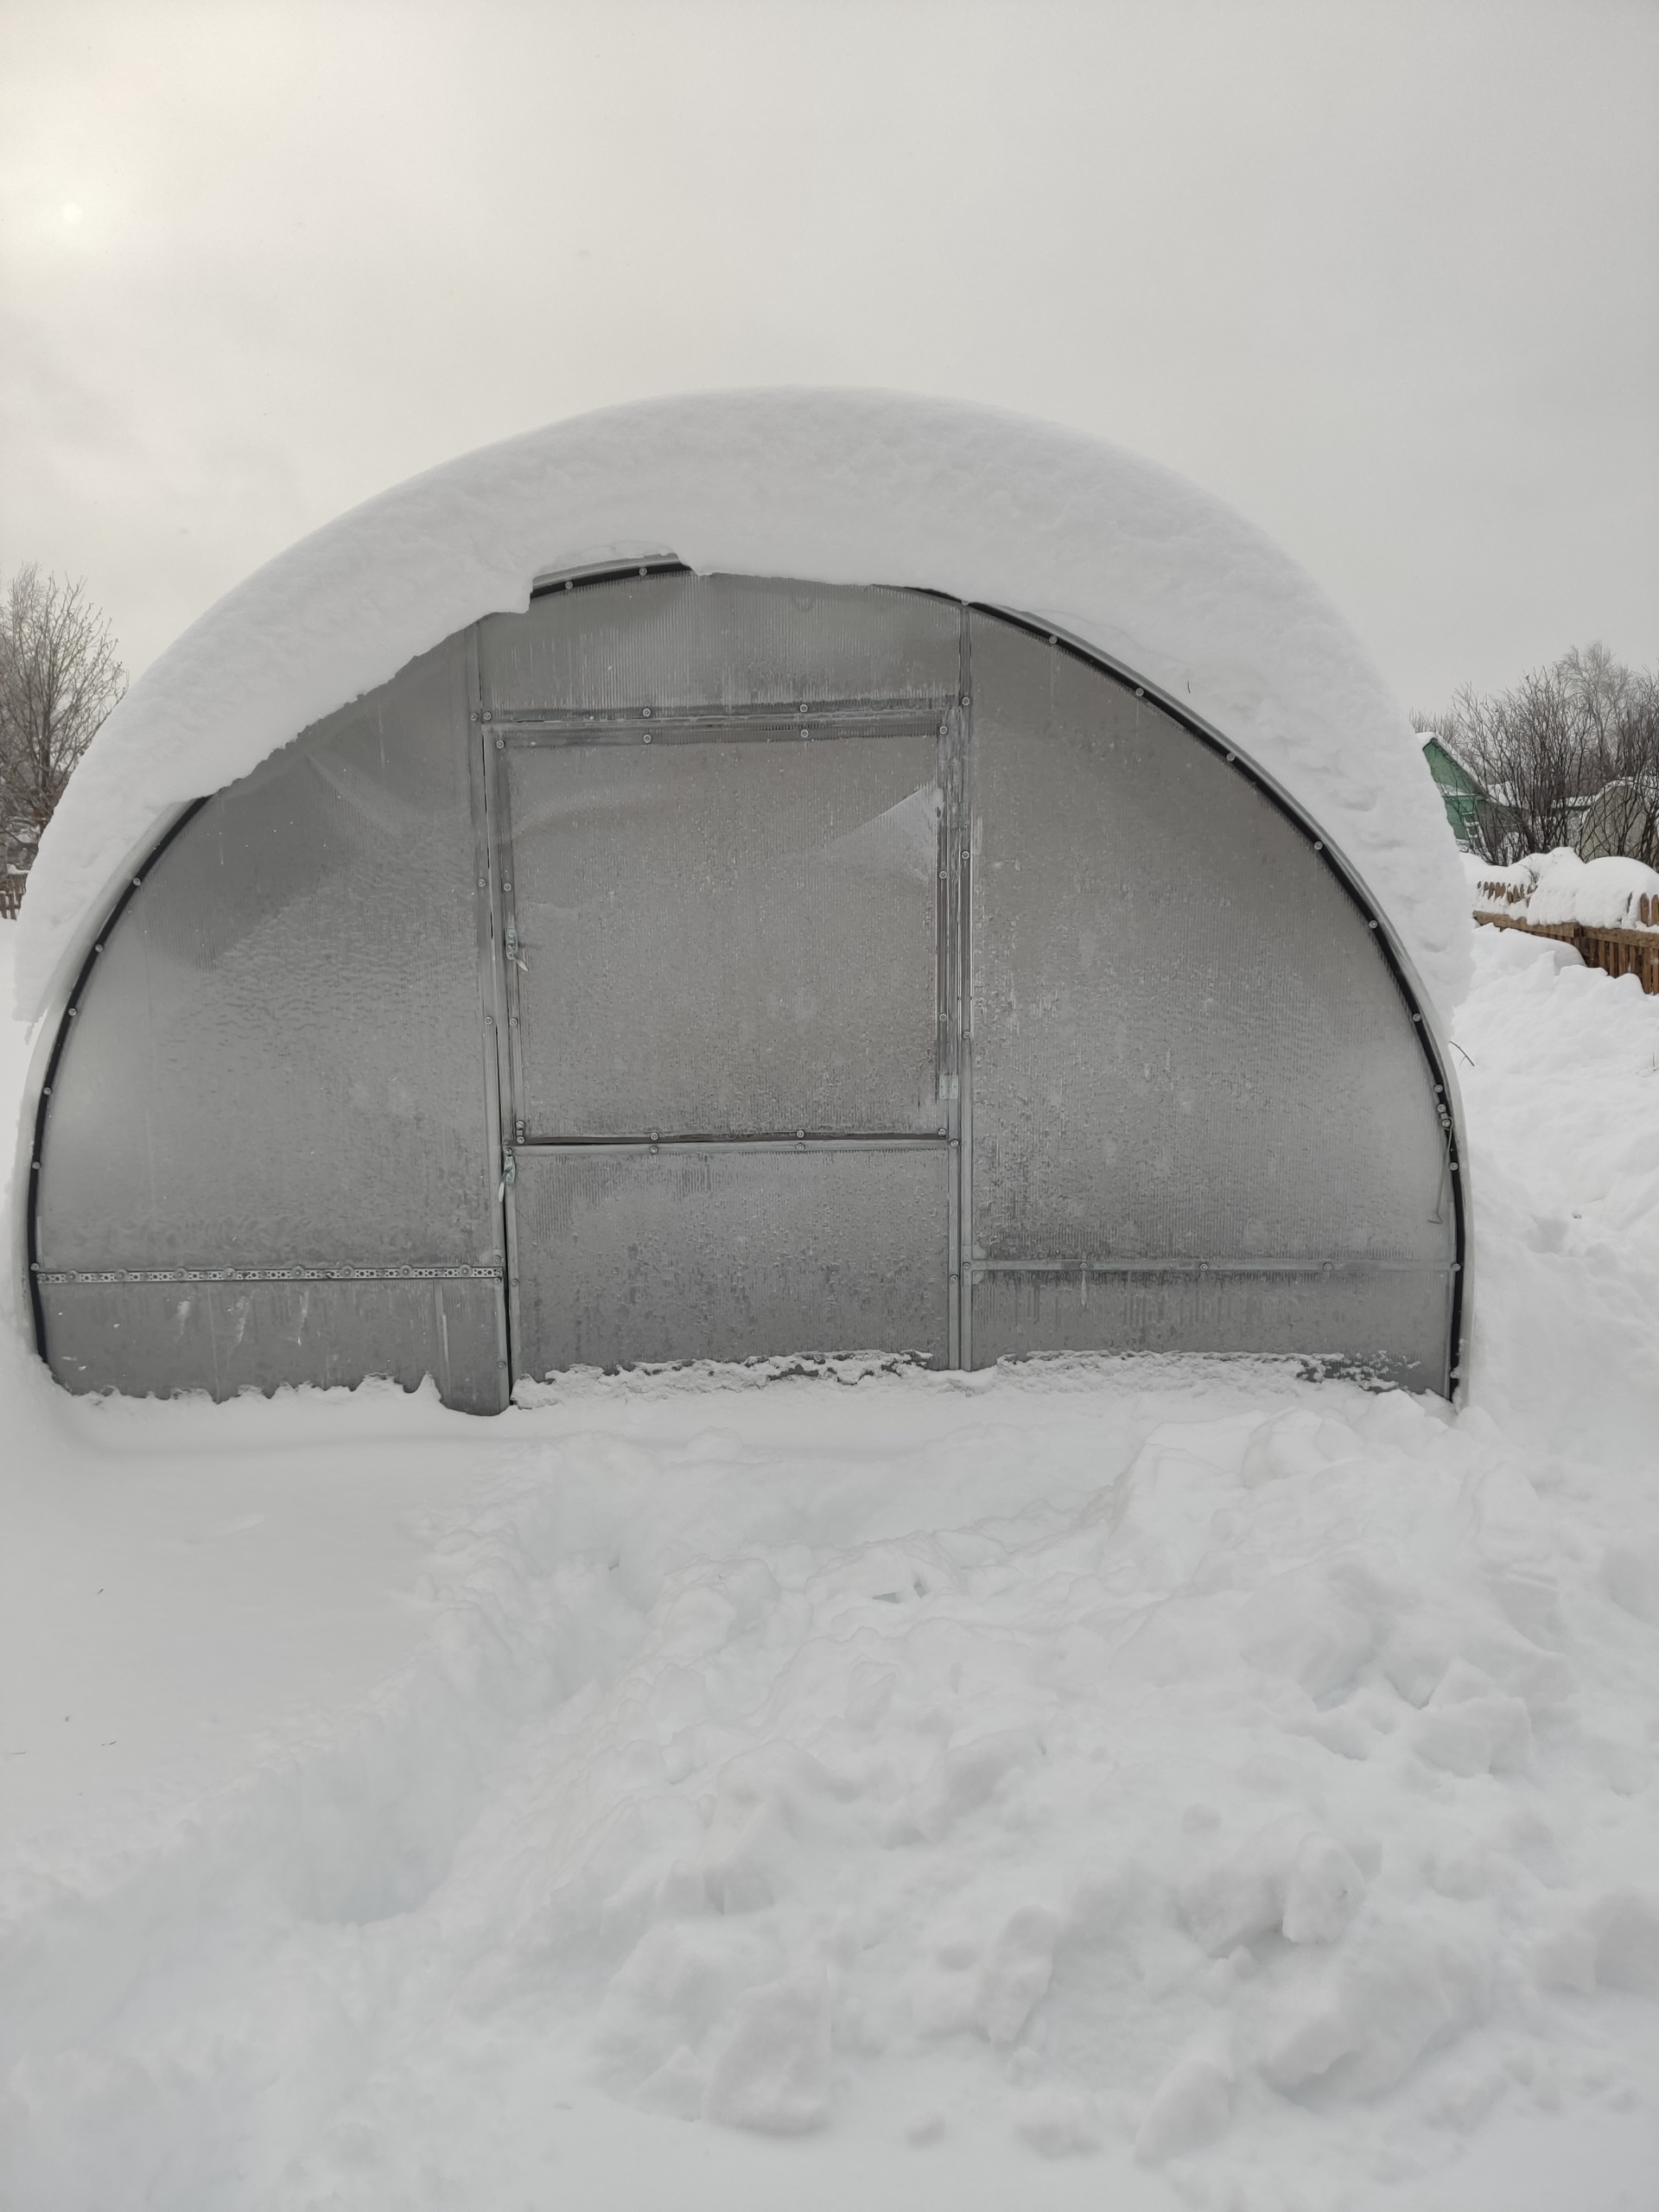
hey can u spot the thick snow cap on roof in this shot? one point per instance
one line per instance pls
(834, 486)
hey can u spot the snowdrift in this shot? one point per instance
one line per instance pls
(838, 487)
(1557, 888)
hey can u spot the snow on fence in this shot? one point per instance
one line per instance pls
(1609, 909)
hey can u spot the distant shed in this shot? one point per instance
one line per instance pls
(1462, 795)
(706, 964)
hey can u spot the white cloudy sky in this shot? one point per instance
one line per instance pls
(1384, 275)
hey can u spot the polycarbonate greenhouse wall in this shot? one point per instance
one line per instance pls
(704, 968)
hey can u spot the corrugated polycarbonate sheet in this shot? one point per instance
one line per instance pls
(1391, 1323)
(279, 1057)
(730, 1252)
(226, 1337)
(716, 642)
(1185, 1040)
(726, 938)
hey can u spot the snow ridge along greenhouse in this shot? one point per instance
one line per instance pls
(695, 964)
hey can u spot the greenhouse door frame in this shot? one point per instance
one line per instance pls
(521, 1147)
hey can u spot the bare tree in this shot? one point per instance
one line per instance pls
(1624, 815)
(58, 678)
(1528, 750)
(1571, 747)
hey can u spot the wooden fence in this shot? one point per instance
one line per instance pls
(1616, 952)
(11, 895)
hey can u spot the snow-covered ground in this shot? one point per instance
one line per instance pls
(1143, 1784)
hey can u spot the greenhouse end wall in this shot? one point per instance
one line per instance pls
(716, 968)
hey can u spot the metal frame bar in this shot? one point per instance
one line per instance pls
(270, 1274)
(491, 1008)
(1063, 1268)
(948, 1026)
(963, 907)
(900, 1140)
(504, 1002)
(770, 724)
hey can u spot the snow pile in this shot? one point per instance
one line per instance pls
(842, 488)
(1239, 1777)
(1500, 891)
(1556, 888)
(1559, 1069)
(1161, 1783)
(1611, 894)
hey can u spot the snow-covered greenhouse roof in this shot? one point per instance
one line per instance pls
(836, 487)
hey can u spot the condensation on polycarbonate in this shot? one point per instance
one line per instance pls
(727, 939)
(279, 1059)
(1386, 1323)
(1184, 1041)
(728, 1252)
(224, 1338)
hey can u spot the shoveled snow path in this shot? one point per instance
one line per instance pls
(1150, 1782)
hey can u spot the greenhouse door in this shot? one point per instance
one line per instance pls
(723, 945)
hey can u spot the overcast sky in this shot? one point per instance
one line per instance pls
(1384, 276)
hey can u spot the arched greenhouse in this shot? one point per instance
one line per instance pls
(871, 895)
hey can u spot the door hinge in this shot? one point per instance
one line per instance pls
(509, 1167)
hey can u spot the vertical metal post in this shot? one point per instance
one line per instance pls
(963, 908)
(492, 851)
(949, 773)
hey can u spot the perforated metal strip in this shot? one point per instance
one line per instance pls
(1184, 1267)
(267, 1274)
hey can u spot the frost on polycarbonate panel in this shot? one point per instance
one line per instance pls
(279, 1058)
(714, 642)
(730, 1253)
(1389, 1322)
(1185, 1040)
(226, 1337)
(728, 939)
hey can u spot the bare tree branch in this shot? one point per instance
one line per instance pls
(1569, 755)
(58, 678)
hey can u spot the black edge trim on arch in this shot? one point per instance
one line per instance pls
(611, 572)
(1231, 758)
(72, 1007)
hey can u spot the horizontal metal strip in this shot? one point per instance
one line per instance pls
(1181, 1266)
(900, 1140)
(737, 726)
(46, 1274)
